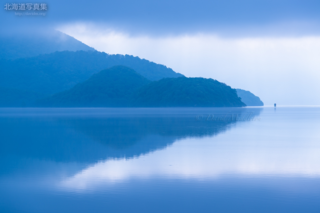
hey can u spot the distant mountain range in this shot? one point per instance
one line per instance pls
(121, 86)
(14, 97)
(248, 98)
(60, 71)
(68, 73)
(16, 45)
(111, 87)
(187, 92)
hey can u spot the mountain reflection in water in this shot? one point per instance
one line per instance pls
(160, 160)
(90, 135)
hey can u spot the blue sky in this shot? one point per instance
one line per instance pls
(271, 48)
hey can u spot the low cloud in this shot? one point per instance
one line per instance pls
(278, 69)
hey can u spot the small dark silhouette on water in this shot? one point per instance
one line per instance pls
(275, 105)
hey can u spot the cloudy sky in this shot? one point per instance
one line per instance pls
(270, 47)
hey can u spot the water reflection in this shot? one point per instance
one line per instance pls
(79, 138)
(90, 135)
(160, 160)
(290, 151)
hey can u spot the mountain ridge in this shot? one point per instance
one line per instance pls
(59, 71)
(120, 86)
(14, 45)
(110, 87)
(249, 98)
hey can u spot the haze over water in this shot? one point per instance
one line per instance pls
(160, 160)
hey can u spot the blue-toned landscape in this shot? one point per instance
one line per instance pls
(160, 106)
(160, 160)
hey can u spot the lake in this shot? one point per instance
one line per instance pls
(160, 160)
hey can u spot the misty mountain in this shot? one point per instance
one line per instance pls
(121, 86)
(248, 98)
(59, 71)
(21, 44)
(17, 98)
(187, 92)
(111, 87)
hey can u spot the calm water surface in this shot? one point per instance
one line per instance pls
(160, 160)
